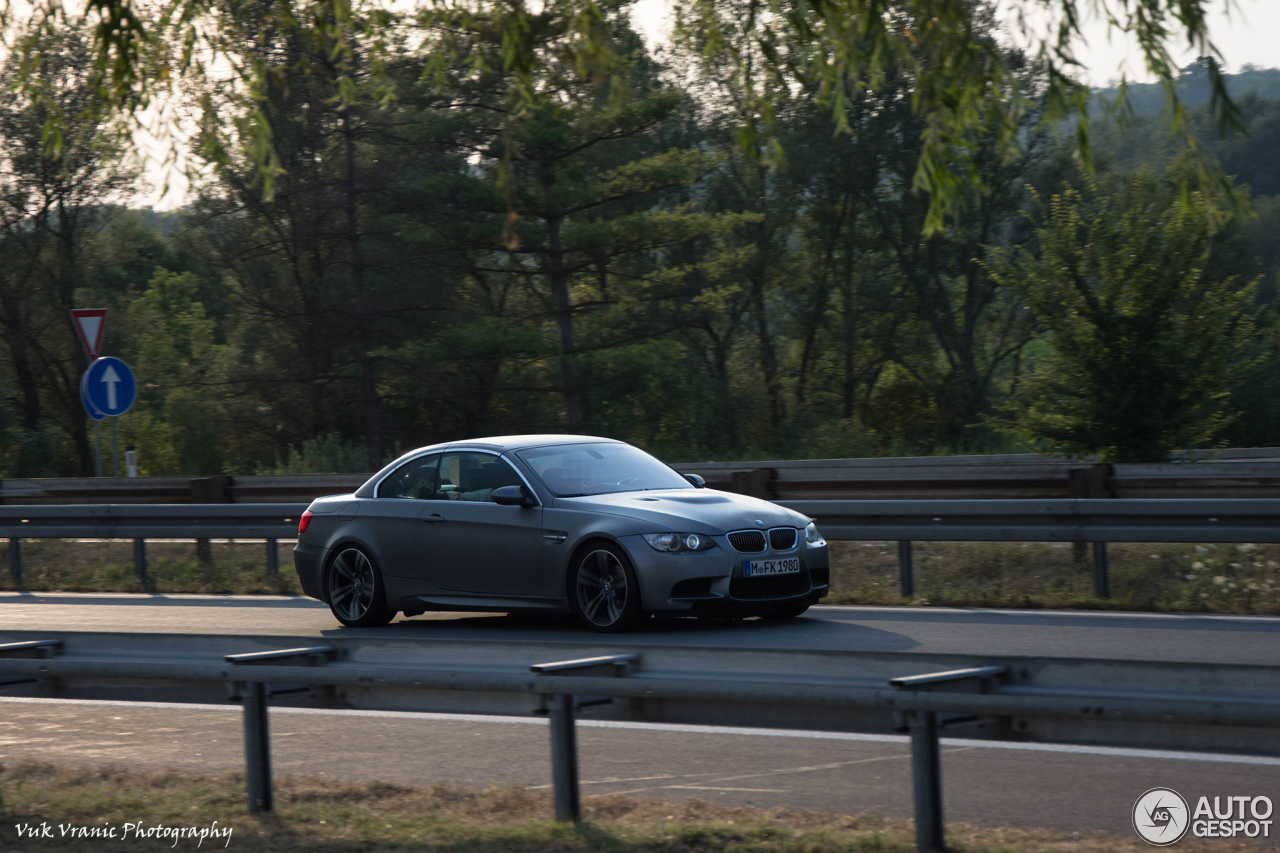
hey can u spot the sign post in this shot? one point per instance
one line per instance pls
(97, 418)
(89, 324)
(110, 389)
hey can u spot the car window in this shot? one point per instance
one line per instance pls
(574, 470)
(474, 476)
(414, 479)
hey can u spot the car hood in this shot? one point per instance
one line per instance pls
(668, 508)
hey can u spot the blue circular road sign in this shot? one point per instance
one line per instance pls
(110, 386)
(84, 398)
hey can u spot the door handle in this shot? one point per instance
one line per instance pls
(433, 518)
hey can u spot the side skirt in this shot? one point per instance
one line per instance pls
(480, 603)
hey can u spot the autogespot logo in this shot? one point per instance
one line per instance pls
(1160, 816)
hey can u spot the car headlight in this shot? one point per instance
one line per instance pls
(679, 541)
(812, 536)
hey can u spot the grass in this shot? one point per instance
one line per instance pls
(1187, 578)
(316, 815)
(1241, 578)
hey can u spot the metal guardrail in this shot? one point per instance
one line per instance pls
(1078, 521)
(151, 521)
(1244, 473)
(919, 701)
(1243, 520)
(287, 488)
(141, 522)
(1096, 521)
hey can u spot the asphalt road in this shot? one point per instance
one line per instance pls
(1069, 788)
(1157, 637)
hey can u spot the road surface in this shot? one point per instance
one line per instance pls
(1145, 636)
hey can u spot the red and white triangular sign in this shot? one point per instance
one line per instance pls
(89, 323)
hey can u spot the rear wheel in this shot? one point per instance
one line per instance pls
(603, 591)
(356, 594)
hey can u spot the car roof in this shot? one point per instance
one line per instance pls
(497, 444)
(503, 443)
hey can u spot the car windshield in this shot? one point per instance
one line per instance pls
(574, 470)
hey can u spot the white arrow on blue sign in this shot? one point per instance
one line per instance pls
(110, 386)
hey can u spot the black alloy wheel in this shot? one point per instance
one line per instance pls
(356, 594)
(603, 591)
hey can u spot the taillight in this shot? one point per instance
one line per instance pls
(304, 522)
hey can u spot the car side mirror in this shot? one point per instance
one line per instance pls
(698, 482)
(511, 496)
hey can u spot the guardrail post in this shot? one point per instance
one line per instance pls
(1101, 582)
(257, 748)
(273, 560)
(564, 758)
(926, 762)
(926, 779)
(756, 483)
(208, 490)
(906, 573)
(15, 561)
(560, 710)
(1088, 483)
(140, 559)
(254, 694)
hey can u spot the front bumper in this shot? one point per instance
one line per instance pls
(712, 581)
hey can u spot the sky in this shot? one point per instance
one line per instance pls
(1246, 32)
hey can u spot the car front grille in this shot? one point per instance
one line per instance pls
(769, 586)
(782, 538)
(747, 541)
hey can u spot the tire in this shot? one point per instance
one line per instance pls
(603, 592)
(354, 588)
(781, 614)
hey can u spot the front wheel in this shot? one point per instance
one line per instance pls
(356, 594)
(603, 591)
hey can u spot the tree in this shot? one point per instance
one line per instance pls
(966, 84)
(323, 284)
(584, 179)
(54, 206)
(1145, 347)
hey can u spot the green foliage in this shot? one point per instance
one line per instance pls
(174, 423)
(327, 454)
(493, 218)
(835, 50)
(1145, 347)
(55, 216)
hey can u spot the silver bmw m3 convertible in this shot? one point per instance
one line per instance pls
(569, 523)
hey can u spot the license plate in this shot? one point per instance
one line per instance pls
(758, 568)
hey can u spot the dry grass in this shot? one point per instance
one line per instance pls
(1204, 578)
(313, 815)
(66, 565)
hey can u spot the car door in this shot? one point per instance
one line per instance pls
(400, 518)
(480, 547)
